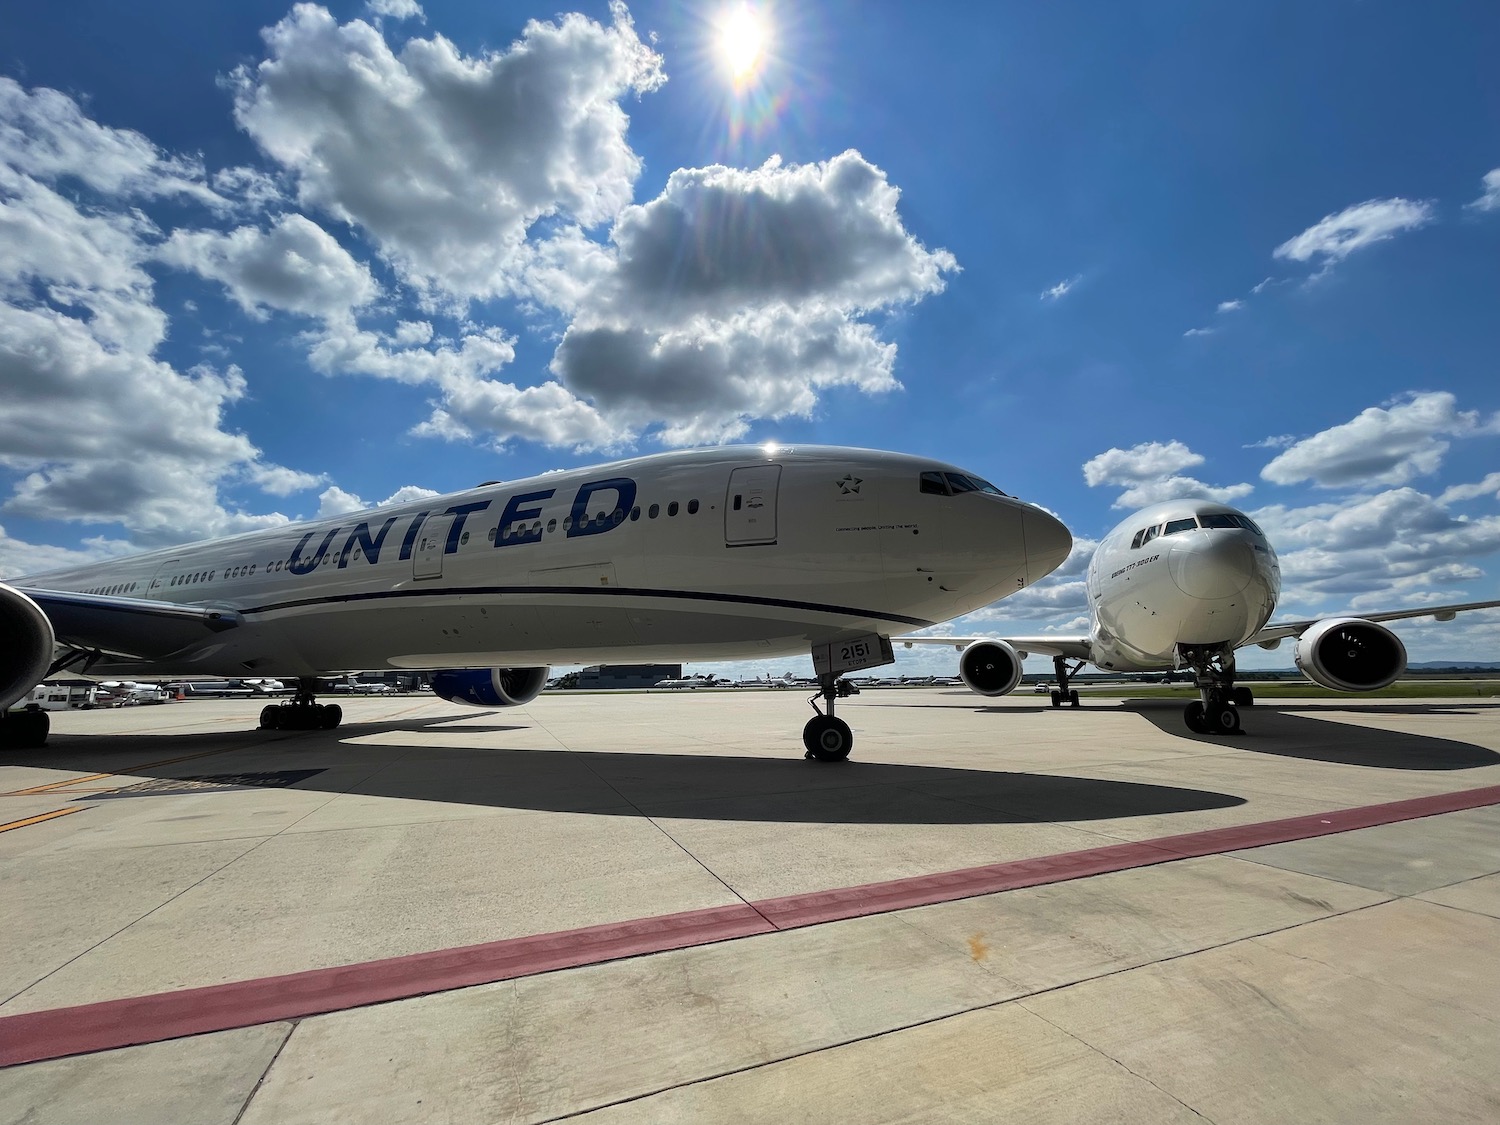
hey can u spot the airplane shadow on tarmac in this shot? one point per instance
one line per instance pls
(708, 787)
(1268, 729)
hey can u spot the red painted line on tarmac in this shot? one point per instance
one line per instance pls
(58, 1032)
(947, 886)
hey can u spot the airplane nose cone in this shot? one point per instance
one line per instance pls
(1047, 544)
(1211, 566)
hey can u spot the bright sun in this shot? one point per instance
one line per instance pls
(742, 40)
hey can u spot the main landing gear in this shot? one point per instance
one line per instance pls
(1062, 693)
(829, 739)
(1218, 711)
(303, 712)
(24, 730)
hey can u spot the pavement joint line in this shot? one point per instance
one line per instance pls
(259, 841)
(264, 1074)
(991, 1005)
(110, 1024)
(38, 819)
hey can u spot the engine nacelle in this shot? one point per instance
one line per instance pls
(1349, 654)
(990, 668)
(490, 687)
(26, 642)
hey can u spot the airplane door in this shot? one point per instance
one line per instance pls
(160, 578)
(427, 558)
(750, 506)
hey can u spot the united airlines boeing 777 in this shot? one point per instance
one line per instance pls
(1183, 585)
(715, 554)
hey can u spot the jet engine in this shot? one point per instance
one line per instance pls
(26, 651)
(1349, 654)
(490, 687)
(990, 667)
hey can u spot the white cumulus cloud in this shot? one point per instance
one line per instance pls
(1152, 472)
(295, 265)
(448, 160)
(1381, 445)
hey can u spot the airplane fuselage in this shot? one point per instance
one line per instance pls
(709, 554)
(1186, 574)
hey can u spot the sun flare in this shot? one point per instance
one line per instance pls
(743, 37)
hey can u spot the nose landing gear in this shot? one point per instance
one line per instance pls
(1218, 709)
(829, 739)
(1063, 693)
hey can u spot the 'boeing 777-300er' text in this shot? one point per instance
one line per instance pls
(716, 554)
(1184, 584)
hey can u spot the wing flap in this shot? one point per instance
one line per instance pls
(129, 627)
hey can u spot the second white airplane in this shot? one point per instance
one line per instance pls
(1182, 585)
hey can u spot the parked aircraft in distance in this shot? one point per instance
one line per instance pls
(1183, 584)
(718, 554)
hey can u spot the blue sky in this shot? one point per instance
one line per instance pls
(259, 262)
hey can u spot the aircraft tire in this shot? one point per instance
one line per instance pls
(1193, 714)
(330, 715)
(270, 717)
(1226, 719)
(1056, 698)
(24, 730)
(1244, 697)
(827, 739)
(1073, 697)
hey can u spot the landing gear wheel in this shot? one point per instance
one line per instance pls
(827, 739)
(1057, 698)
(1226, 719)
(1243, 697)
(330, 715)
(1194, 715)
(270, 717)
(1073, 697)
(24, 730)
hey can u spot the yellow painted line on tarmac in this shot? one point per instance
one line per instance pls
(125, 772)
(53, 815)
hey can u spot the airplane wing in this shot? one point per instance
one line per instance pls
(1273, 633)
(1074, 648)
(135, 628)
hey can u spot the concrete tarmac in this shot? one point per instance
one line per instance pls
(650, 908)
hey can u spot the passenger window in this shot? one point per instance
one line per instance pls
(655, 509)
(932, 484)
(672, 508)
(1175, 526)
(692, 507)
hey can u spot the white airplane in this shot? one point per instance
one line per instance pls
(718, 554)
(1184, 584)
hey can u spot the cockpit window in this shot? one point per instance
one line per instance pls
(962, 483)
(1149, 534)
(1175, 526)
(951, 484)
(1219, 519)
